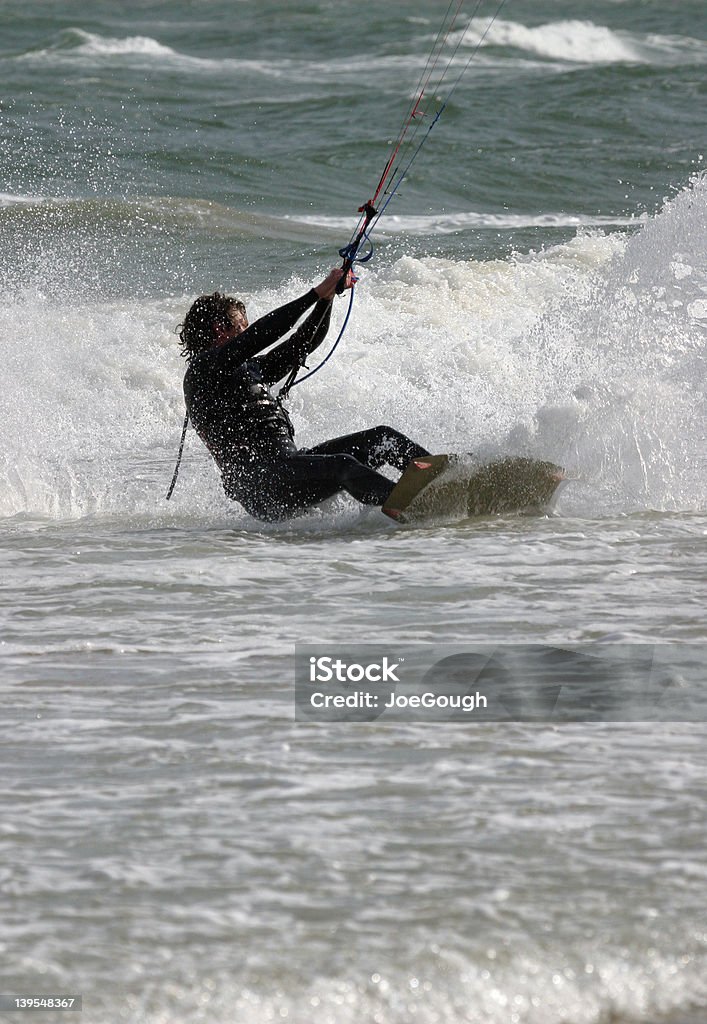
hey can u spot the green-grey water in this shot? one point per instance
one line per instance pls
(174, 846)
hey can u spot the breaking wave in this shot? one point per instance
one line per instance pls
(583, 42)
(589, 353)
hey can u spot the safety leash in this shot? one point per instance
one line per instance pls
(179, 458)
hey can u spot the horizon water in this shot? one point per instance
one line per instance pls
(175, 847)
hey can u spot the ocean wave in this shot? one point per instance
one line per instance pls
(448, 223)
(93, 214)
(101, 45)
(562, 42)
(9, 199)
(576, 983)
(217, 217)
(589, 353)
(583, 42)
(75, 44)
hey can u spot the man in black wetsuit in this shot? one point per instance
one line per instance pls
(247, 430)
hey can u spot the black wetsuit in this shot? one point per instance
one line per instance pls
(250, 435)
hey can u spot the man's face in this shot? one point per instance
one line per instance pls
(238, 322)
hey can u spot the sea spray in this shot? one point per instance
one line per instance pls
(589, 354)
(634, 351)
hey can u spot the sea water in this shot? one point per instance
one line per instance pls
(175, 847)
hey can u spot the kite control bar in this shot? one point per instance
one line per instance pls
(348, 253)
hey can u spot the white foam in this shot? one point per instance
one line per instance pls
(93, 45)
(9, 199)
(634, 354)
(554, 985)
(583, 42)
(589, 353)
(102, 45)
(75, 44)
(444, 224)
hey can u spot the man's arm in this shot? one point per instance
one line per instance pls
(267, 330)
(293, 351)
(270, 328)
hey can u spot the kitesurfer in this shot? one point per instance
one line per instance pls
(247, 429)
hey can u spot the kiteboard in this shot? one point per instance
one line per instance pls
(452, 487)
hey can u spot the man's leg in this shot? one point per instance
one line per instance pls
(313, 478)
(293, 485)
(374, 448)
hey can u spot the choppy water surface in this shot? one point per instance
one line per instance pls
(175, 847)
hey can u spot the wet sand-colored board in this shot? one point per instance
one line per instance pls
(450, 487)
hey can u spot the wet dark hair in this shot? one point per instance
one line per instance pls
(208, 311)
